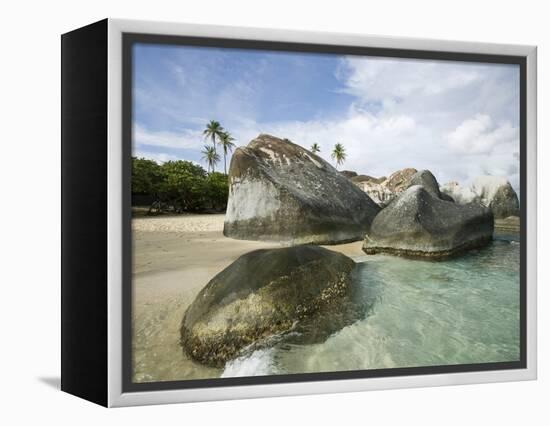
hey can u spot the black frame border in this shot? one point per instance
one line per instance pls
(130, 39)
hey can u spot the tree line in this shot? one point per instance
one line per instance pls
(177, 186)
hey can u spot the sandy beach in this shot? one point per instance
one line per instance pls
(174, 258)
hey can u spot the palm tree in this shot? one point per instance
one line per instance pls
(315, 148)
(210, 156)
(226, 141)
(339, 154)
(213, 130)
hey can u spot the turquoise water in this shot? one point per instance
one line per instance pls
(417, 313)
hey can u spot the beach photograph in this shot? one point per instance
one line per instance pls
(297, 212)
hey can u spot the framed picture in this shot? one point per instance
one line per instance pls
(251, 212)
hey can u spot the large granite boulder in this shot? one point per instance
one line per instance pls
(262, 294)
(418, 224)
(490, 191)
(279, 191)
(426, 179)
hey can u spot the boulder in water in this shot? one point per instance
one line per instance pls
(262, 294)
(418, 224)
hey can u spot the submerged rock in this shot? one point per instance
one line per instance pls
(490, 191)
(262, 294)
(279, 191)
(418, 224)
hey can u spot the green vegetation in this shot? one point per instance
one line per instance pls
(211, 157)
(339, 154)
(226, 141)
(177, 186)
(213, 130)
(315, 148)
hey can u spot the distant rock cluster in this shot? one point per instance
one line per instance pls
(383, 189)
(423, 222)
(490, 191)
(494, 192)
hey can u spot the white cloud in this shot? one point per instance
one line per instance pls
(159, 157)
(186, 139)
(374, 145)
(459, 120)
(480, 135)
(381, 79)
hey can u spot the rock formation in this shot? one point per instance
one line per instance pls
(348, 173)
(383, 190)
(279, 191)
(489, 191)
(367, 178)
(418, 224)
(398, 181)
(262, 294)
(426, 179)
(377, 192)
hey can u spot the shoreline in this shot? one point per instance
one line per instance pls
(174, 257)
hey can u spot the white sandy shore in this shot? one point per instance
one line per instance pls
(174, 258)
(180, 223)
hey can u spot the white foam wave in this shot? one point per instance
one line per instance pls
(257, 363)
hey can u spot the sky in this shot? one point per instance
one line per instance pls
(456, 119)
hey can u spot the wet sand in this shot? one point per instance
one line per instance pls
(174, 258)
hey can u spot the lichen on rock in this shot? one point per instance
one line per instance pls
(262, 294)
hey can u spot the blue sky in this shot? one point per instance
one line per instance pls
(457, 119)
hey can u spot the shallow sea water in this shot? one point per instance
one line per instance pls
(417, 313)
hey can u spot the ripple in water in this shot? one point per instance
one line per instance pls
(418, 313)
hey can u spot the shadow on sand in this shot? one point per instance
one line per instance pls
(53, 382)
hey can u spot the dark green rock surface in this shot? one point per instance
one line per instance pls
(262, 294)
(418, 224)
